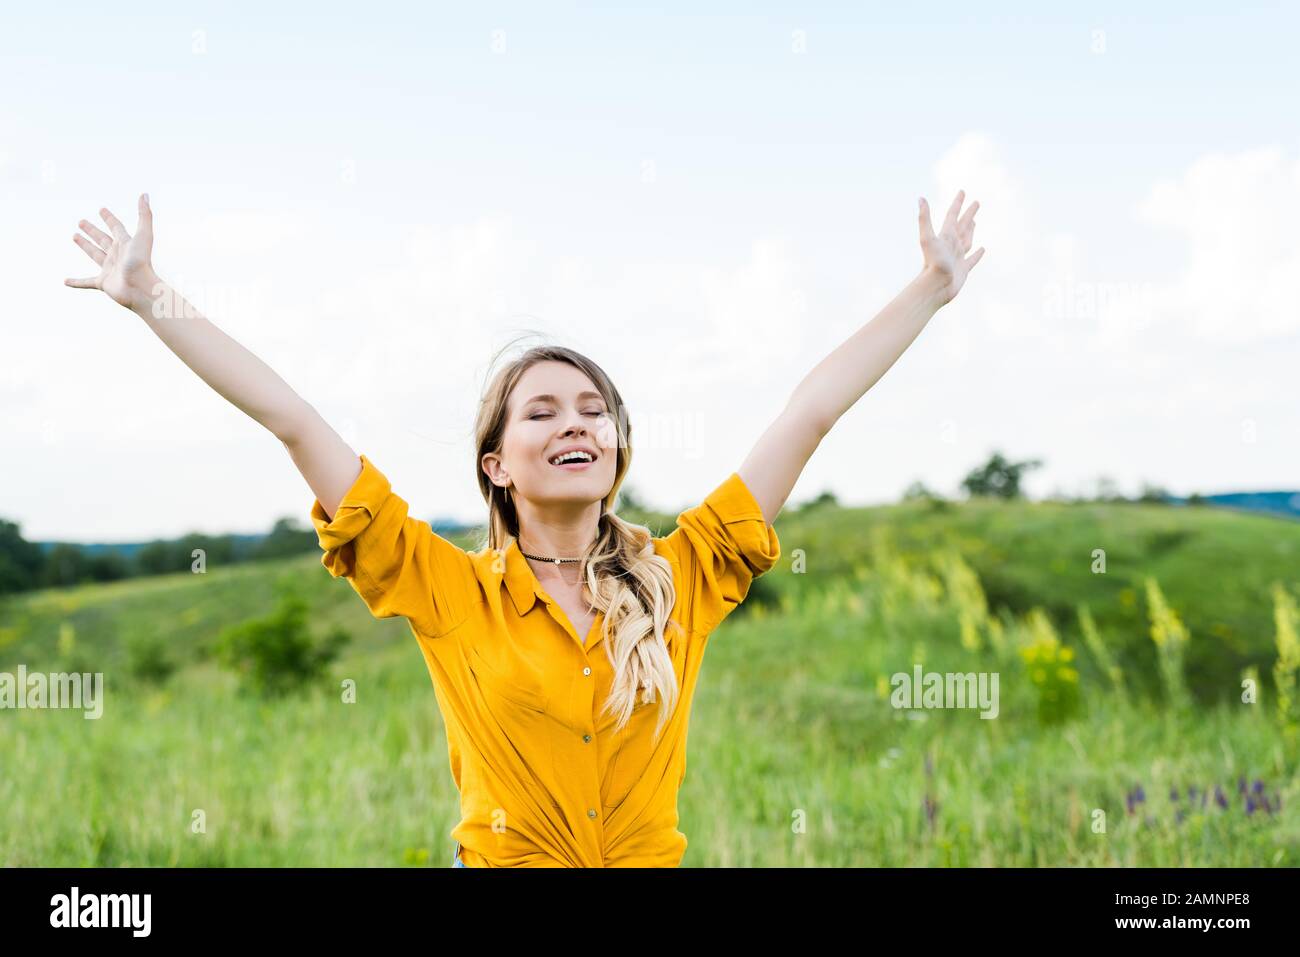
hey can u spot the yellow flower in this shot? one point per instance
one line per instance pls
(1039, 675)
(1067, 654)
(1067, 674)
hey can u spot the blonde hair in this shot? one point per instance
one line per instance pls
(622, 576)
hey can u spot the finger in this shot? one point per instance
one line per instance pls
(91, 250)
(81, 283)
(967, 236)
(968, 216)
(145, 225)
(101, 238)
(119, 231)
(974, 258)
(927, 227)
(950, 220)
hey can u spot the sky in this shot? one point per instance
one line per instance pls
(376, 199)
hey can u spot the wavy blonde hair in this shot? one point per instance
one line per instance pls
(622, 576)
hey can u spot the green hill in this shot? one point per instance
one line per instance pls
(799, 755)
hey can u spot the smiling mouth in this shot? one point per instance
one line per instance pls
(573, 460)
(574, 465)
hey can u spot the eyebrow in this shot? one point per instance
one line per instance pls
(547, 397)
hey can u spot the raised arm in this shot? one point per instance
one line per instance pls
(127, 276)
(838, 381)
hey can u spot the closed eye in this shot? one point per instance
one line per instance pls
(539, 415)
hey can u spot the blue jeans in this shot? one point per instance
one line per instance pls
(455, 859)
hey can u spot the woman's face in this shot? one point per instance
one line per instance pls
(555, 407)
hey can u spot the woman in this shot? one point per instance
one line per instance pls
(564, 651)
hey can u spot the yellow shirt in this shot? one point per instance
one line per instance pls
(544, 779)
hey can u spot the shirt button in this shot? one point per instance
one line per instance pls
(586, 738)
(591, 812)
(586, 671)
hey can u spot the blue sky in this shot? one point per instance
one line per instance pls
(372, 199)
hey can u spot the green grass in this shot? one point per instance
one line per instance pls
(797, 757)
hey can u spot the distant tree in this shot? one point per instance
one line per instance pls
(1107, 490)
(217, 550)
(1153, 493)
(287, 537)
(916, 490)
(998, 477)
(21, 561)
(160, 558)
(629, 499)
(65, 565)
(825, 498)
(1196, 498)
(108, 566)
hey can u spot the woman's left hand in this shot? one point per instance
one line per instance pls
(945, 254)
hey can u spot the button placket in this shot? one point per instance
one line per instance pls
(585, 703)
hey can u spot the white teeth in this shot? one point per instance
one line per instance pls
(572, 457)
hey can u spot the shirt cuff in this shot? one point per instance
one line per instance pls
(359, 506)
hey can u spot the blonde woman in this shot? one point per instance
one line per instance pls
(565, 649)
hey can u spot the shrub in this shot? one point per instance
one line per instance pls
(277, 654)
(147, 659)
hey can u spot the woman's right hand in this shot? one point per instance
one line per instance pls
(125, 267)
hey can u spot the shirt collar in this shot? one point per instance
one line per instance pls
(519, 579)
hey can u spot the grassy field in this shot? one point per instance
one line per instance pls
(797, 755)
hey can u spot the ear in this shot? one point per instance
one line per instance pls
(494, 470)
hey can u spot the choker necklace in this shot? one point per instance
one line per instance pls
(540, 558)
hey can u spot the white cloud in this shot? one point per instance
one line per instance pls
(1237, 215)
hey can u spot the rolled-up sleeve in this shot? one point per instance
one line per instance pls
(397, 564)
(721, 545)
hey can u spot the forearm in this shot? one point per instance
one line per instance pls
(236, 374)
(844, 376)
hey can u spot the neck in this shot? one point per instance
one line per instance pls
(553, 533)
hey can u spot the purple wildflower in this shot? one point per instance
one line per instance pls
(931, 808)
(1133, 798)
(1220, 798)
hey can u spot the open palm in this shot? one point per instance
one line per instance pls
(125, 265)
(945, 253)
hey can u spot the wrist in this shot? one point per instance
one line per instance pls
(142, 293)
(933, 286)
